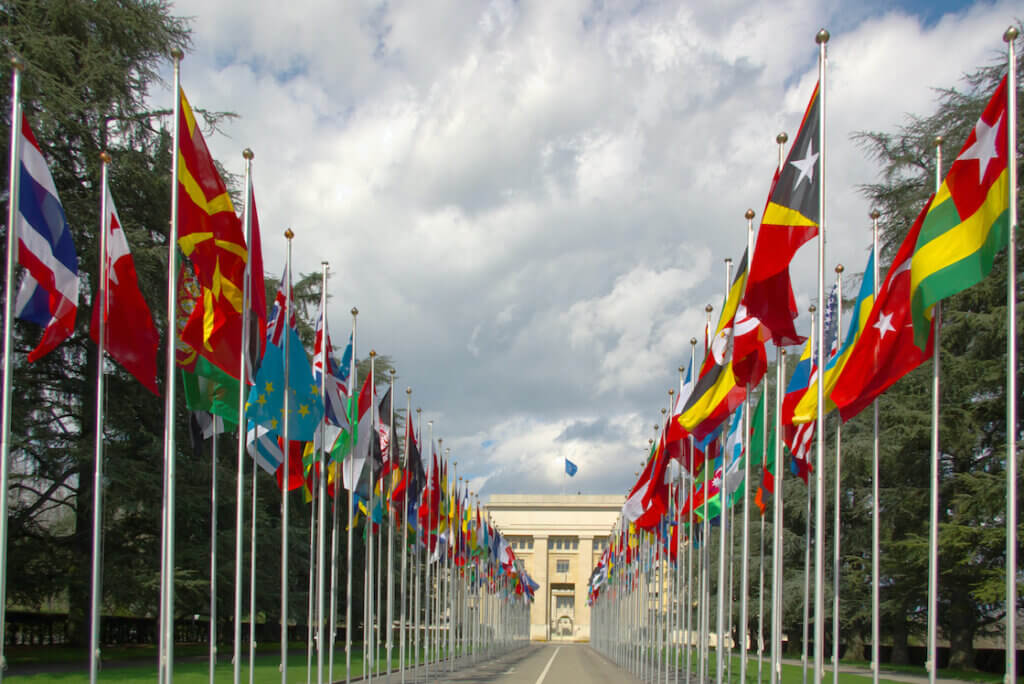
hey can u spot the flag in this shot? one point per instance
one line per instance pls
(749, 360)
(789, 220)
(257, 291)
(49, 287)
(570, 468)
(130, 335)
(967, 220)
(806, 409)
(677, 443)
(335, 389)
(266, 448)
(388, 441)
(764, 462)
(355, 463)
(885, 351)
(648, 500)
(799, 439)
(211, 236)
(265, 405)
(716, 394)
(414, 478)
(799, 383)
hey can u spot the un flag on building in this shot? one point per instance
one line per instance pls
(570, 467)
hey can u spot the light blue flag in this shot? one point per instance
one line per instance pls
(570, 467)
(266, 397)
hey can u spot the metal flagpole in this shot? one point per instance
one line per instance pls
(213, 552)
(678, 587)
(417, 583)
(705, 542)
(333, 599)
(101, 342)
(286, 473)
(311, 581)
(875, 491)
(404, 541)
(1011, 364)
(370, 653)
(453, 529)
(819, 461)
(426, 555)
(236, 659)
(353, 400)
(931, 663)
(777, 479)
(321, 550)
(745, 559)
(252, 582)
(691, 487)
(391, 532)
(760, 590)
(723, 524)
(838, 476)
(166, 664)
(17, 66)
(812, 310)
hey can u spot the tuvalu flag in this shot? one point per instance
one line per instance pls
(885, 351)
(789, 220)
(966, 221)
(717, 394)
(211, 236)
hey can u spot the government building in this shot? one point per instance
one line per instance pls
(559, 539)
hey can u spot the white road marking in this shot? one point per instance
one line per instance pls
(547, 667)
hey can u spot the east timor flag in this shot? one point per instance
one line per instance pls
(967, 220)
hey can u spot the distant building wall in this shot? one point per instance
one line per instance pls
(560, 539)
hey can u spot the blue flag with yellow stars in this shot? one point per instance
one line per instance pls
(266, 397)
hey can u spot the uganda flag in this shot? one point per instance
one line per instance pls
(967, 220)
(211, 236)
(790, 219)
(717, 394)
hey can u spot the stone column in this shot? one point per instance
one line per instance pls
(584, 566)
(540, 618)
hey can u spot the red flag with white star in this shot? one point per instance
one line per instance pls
(885, 350)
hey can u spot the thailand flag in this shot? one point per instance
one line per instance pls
(49, 288)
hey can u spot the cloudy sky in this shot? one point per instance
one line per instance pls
(530, 202)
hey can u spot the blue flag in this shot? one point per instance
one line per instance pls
(570, 467)
(266, 398)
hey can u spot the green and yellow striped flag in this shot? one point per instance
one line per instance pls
(967, 221)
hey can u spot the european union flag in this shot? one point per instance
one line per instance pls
(570, 467)
(266, 397)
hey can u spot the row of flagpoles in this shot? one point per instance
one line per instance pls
(657, 566)
(452, 591)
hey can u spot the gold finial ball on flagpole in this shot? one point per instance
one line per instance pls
(783, 351)
(1010, 35)
(373, 353)
(822, 37)
(709, 308)
(408, 390)
(176, 53)
(812, 308)
(354, 311)
(672, 391)
(391, 371)
(875, 214)
(693, 341)
(781, 138)
(288, 234)
(728, 260)
(938, 140)
(749, 214)
(682, 368)
(840, 268)
(17, 63)
(662, 413)
(325, 263)
(247, 154)
(105, 157)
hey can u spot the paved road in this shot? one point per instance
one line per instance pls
(538, 664)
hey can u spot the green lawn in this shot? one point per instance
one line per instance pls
(193, 672)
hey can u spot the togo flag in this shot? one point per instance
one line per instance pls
(967, 220)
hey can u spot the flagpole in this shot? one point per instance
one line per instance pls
(166, 665)
(812, 310)
(875, 490)
(236, 659)
(213, 552)
(705, 559)
(819, 480)
(252, 581)
(388, 645)
(368, 631)
(426, 556)
(311, 580)
(321, 550)
(838, 476)
(691, 487)
(417, 584)
(353, 400)
(678, 574)
(722, 531)
(1011, 364)
(286, 474)
(97, 511)
(777, 479)
(745, 561)
(404, 540)
(931, 662)
(17, 67)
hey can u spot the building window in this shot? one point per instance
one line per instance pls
(529, 543)
(563, 603)
(562, 566)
